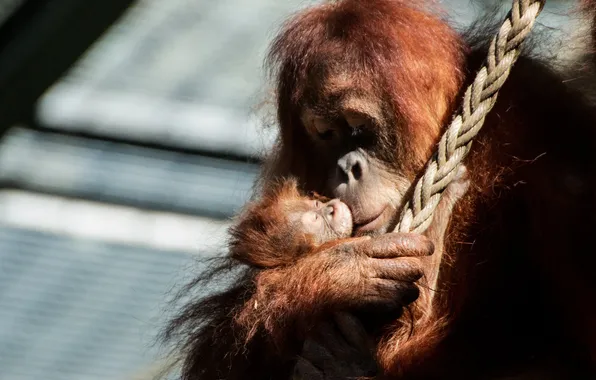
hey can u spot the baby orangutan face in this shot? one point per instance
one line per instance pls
(322, 221)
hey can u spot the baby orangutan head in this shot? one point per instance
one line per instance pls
(285, 224)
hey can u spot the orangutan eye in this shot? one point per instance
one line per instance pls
(318, 127)
(326, 136)
(315, 218)
(356, 121)
(360, 129)
(323, 129)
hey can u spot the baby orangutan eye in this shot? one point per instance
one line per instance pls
(312, 221)
(316, 217)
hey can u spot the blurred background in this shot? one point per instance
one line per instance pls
(130, 132)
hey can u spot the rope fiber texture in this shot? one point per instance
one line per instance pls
(479, 99)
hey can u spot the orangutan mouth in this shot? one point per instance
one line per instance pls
(373, 223)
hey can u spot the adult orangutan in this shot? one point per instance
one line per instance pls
(364, 89)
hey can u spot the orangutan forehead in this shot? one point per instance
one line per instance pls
(292, 211)
(297, 205)
(339, 81)
(345, 95)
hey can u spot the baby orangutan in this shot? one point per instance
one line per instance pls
(286, 225)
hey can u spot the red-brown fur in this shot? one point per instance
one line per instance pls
(516, 288)
(386, 61)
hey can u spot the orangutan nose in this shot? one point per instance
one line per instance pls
(352, 167)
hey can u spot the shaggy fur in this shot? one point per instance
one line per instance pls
(515, 290)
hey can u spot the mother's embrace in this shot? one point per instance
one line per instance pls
(364, 89)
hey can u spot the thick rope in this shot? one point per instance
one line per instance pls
(478, 100)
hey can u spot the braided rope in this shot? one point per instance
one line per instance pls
(479, 99)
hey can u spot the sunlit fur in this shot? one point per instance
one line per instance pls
(381, 51)
(514, 297)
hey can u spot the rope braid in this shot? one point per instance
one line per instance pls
(479, 99)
